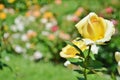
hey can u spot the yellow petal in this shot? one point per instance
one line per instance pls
(84, 21)
(95, 28)
(71, 52)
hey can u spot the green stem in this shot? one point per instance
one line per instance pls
(113, 76)
(85, 73)
(86, 62)
(88, 56)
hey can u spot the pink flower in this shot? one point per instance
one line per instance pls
(115, 22)
(75, 19)
(64, 36)
(54, 28)
(109, 10)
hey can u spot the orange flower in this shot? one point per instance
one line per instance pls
(48, 15)
(51, 37)
(2, 6)
(31, 34)
(2, 15)
(28, 13)
(58, 2)
(36, 13)
(79, 12)
(64, 36)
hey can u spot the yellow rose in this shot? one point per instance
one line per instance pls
(71, 52)
(95, 28)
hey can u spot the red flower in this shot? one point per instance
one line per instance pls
(54, 28)
(109, 10)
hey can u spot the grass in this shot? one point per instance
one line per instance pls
(25, 69)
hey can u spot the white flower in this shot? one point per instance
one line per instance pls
(31, 18)
(44, 20)
(16, 35)
(6, 35)
(24, 37)
(45, 33)
(53, 21)
(37, 55)
(94, 49)
(30, 31)
(18, 49)
(20, 27)
(67, 63)
(43, 9)
(13, 28)
(19, 19)
(69, 17)
(48, 26)
(28, 45)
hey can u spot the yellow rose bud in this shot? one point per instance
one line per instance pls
(2, 15)
(95, 28)
(71, 52)
(117, 56)
(118, 68)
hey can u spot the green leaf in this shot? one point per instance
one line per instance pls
(85, 53)
(74, 60)
(94, 64)
(80, 78)
(92, 56)
(79, 71)
(96, 71)
(1, 66)
(4, 65)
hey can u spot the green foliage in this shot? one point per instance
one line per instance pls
(2, 65)
(28, 70)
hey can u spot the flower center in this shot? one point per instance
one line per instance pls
(95, 29)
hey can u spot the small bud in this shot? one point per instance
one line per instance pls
(117, 56)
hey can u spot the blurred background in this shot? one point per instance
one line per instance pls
(33, 32)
